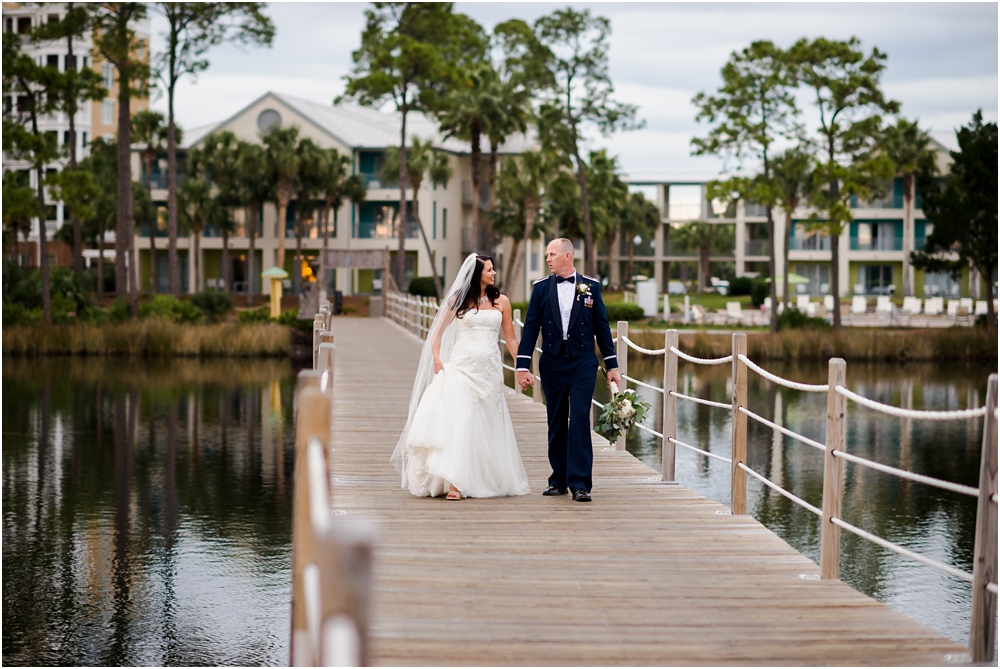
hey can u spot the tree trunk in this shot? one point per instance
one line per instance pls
(126, 216)
(152, 225)
(251, 259)
(100, 260)
(703, 267)
(494, 149)
(324, 229)
(226, 283)
(438, 284)
(479, 237)
(401, 214)
(297, 263)
(835, 278)
(773, 268)
(43, 249)
(788, 270)
(989, 274)
(589, 257)
(173, 272)
(196, 233)
(907, 232)
(631, 257)
(279, 261)
(71, 116)
(520, 259)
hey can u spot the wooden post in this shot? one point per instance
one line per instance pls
(622, 440)
(668, 452)
(983, 630)
(319, 327)
(312, 419)
(325, 338)
(517, 336)
(833, 468)
(325, 361)
(738, 498)
(345, 563)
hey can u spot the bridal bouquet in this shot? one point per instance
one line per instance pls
(620, 414)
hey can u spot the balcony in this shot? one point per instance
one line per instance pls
(372, 181)
(890, 243)
(754, 210)
(676, 251)
(810, 243)
(484, 194)
(756, 247)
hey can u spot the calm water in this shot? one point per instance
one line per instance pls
(146, 512)
(147, 505)
(936, 523)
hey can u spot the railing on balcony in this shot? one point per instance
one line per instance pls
(373, 181)
(675, 250)
(892, 243)
(810, 243)
(754, 210)
(484, 194)
(756, 247)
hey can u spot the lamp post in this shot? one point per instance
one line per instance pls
(276, 275)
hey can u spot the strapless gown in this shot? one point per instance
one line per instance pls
(461, 432)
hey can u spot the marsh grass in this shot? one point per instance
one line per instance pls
(149, 337)
(875, 345)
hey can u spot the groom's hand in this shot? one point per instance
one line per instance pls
(524, 379)
(614, 375)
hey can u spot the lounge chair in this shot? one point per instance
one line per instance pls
(859, 304)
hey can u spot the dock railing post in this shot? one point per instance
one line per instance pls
(668, 451)
(983, 630)
(738, 503)
(319, 327)
(623, 370)
(833, 467)
(517, 335)
(536, 390)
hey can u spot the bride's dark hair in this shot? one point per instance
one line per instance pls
(471, 299)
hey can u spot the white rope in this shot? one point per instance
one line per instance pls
(902, 473)
(781, 491)
(640, 383)
(659, 351)
(809, 388)
(992, 587)
(910, 413)
(701, 361)
(906, 552)
(698, 450)
(650, 430)
(505, 366)
(698, 400)
(793, 435)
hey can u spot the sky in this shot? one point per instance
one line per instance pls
(942, 62)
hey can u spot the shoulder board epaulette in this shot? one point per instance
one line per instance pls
(591, 278)
(540, 280)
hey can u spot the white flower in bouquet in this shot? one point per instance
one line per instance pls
(626, 410)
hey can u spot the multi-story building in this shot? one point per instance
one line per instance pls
(94, 119)
(363, 134)
(870, 248)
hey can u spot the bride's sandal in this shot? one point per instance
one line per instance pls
(453, 494)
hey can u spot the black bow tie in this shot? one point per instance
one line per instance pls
(571, 278)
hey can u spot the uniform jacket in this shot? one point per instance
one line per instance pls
(587, 320)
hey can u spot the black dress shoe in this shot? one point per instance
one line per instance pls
(552, 491)
(581, 495)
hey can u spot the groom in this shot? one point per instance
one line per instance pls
(567, 307)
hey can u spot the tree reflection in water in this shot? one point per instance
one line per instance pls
(128, 544)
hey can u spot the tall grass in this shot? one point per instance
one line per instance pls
(149, 337)
(896, 346)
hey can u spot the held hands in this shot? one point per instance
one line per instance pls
(524, 379)
(614, 376)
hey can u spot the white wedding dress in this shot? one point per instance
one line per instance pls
(461, 433)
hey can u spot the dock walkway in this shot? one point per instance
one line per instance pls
(646, 574)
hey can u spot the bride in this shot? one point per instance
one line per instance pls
(458, 436)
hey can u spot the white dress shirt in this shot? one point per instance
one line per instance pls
(566, 291)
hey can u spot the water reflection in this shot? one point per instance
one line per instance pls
(937, 523)
(146, 516)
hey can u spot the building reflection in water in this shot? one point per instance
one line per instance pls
(146, 511)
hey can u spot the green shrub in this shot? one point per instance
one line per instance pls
(760, 290)
(170, 308)
(741, 285)
(793, 319)
(619, 311)
(422, 286)
(291, 319)
(119, 311)
(215, 304)
(23, 285)
(253, 316)
(16, 314)
(523, 306)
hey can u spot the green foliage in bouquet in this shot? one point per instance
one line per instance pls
(620, 415)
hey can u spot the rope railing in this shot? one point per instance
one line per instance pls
(647, 351)
(902, 473)
(642, 384)
(698, 450)
(781, 491)
(961, 414)
(807, 387)
(700, 361)
(698, 400)
(783, 430)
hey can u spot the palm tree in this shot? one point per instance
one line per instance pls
(791, 173)
(467, 117)
(251, 175)
(195, 205)
(217, 160)
(907, 146)
(282, 165)
(706, 238)
(336, 187)
(307, 185)
(639, 218)
(19, 206)
(148, 128)
(421, 160)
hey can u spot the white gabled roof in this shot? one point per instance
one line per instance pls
(363, 127)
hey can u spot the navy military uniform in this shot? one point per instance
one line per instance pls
(568, 367)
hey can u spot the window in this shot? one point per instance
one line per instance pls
(8, 105)
(83, 139)
(819, 279)
(85, 62)
(108, 112)
(23, 104)
(444, 224)
(70, 63)
(108, 73)
(434, 219)
(52, 60)
(24, 26)
(683, 202)
(66, 137)
(50, 213)
(53, 18)
(941, 284)
(875, 280)
(9, 25)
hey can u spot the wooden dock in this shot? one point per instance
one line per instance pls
(648, 574)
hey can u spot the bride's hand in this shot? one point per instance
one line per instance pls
(438, 365)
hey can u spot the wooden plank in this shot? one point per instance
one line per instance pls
(648, 574)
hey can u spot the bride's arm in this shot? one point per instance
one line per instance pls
(507, 326)
(436, 335)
